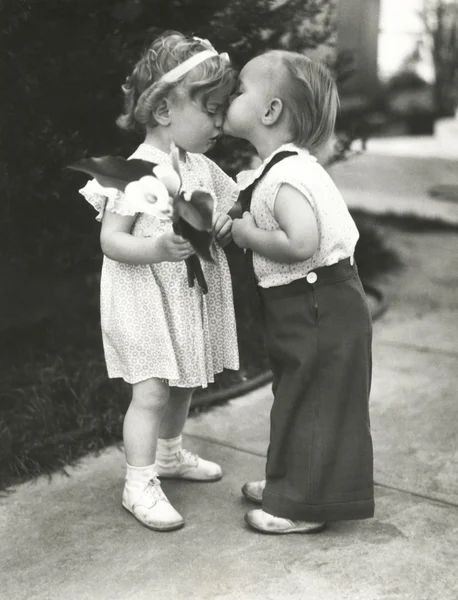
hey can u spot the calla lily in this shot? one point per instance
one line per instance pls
(150, 196)
(169, 177)
(156, 190)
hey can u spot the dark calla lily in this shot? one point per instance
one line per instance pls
(113, 171)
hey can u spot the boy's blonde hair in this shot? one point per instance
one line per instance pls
(144, 89)
(311, 98)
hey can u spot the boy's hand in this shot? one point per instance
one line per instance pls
(222, 226)
(242, 230)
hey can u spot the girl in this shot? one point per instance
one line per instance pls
(318, 331)
(160, 335)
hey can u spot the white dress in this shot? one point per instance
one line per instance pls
(153, 324)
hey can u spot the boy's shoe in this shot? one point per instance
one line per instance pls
(262, 521)
(253, 490)
(186, 465)
(151, 507)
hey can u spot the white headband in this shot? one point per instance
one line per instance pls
(177, 72)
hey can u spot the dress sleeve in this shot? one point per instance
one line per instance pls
(225, 188)
(105, 198)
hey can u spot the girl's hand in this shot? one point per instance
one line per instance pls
(222, 226)
(174, 247)
(242, 230)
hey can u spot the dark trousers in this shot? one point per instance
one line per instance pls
(318, 339)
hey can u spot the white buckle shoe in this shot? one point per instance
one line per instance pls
(187, 465)
(267, 523)
(253, 490)
(152, 508)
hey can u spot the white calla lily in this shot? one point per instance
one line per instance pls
(169, 177)
(149, 195)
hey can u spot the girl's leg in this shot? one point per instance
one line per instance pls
(176, 412)
(172, 461)
(143, 496)
(142, 421)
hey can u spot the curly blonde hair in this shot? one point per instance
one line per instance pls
(310, 96)
(143, 89)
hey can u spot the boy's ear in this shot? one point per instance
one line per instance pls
(272, 112)
(161, 112)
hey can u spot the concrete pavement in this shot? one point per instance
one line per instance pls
(394, 176)
(69, 538)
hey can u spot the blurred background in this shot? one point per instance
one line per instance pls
(405, 61)
(396, 64)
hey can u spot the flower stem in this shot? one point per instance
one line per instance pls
(193, 266)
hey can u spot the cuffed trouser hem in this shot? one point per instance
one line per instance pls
(280, 506)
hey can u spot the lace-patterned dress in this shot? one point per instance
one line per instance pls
(153, 324)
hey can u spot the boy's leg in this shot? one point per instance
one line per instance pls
(328, 448)
(253, 490)
(288, 322)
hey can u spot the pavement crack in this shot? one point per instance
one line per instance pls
(423, 349)
(416, 494)
(203, 438)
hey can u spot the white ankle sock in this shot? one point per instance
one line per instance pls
(166, 451)
(138, 477)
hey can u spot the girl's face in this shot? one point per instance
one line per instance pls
(250, 100)
(194, 125)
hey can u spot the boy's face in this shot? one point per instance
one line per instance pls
(250, 100)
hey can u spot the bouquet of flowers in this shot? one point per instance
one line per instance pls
(157, 190)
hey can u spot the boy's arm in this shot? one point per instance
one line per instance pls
(297, 238)
(222, 226)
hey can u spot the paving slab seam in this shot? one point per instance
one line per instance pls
(423, 349)
(416, 495)
(222, 444)
(376, 483)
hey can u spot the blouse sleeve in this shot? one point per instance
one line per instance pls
(225, 188)
(106, 198)
(291, 176)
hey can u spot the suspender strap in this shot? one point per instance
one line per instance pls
(246, 194)
(240, 261)
(244, 200)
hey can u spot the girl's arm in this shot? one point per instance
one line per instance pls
(297, 238)
(119, 244)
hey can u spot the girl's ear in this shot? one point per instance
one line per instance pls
(161, 112)
(272, 112)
